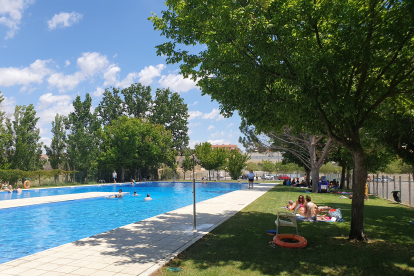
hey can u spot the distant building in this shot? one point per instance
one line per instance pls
(271, 156)
(227, 147)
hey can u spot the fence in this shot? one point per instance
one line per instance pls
(384, 185)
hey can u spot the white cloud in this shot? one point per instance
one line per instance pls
(25, 76)
(219, 142)
(89, 64)
(214, 114)
(128, 80)
(8, 106)
(218, 133)
(177, 83)
(114, 56)
(210, 128)
(49, 105)
(46, 141)
(67, 63)
(190, 132)
(194, 124)
(195, 103)
(192, 143)
(194, 114)
(48, 99)
(230, 125)
(99, 91)
(148, 73)
(64, 19)
(111, 75)
(11, 12)
(64, 83)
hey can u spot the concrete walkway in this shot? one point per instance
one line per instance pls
(139, 248)
(10, 203)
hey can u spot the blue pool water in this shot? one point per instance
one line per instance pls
(31, 229)
(61, 191)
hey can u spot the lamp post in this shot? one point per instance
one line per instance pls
(194, 194)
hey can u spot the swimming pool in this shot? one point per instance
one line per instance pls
(64, 190)
(31, 229)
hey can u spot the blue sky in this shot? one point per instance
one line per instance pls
(52, 51)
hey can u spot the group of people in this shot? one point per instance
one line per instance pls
(308, 209)
(9, 188)
(294, 182)
(120, 194)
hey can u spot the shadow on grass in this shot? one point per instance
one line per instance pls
(240, 246)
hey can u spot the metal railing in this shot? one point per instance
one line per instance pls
(384, 186)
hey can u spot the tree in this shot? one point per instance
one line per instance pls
(267, 166)
(111, 107)
(307, 150)
(171, 112)
(252, 167)
(138, 100)
(133, 143)
(338, 61)
(186, 164)
(23, 148)
(4, 136)
(82, 143)
(208, 158)
(236, 161)
(56, 151)
(397, 133)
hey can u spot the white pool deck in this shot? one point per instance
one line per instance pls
(10, 203)
(139, 248)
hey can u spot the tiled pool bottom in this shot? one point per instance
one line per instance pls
(31, 229)
(135, 249)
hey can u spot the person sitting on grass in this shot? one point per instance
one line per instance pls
(312, 211)
(290, 205)
(301, 203)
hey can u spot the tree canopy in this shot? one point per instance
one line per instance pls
(335, 62)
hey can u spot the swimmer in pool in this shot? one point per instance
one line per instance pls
(135, 194)
(119, 195)
(148, 197)
(18, 190)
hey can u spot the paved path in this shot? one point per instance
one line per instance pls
(139, 248)
(10, 203)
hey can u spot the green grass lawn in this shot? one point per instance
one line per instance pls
(240, 246)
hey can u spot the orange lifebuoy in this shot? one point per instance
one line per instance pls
(278, 239)
(27, 184)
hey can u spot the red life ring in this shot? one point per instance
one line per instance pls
(27, 184)
(302, 242)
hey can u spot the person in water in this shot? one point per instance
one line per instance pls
(135, 193)
(148, 197)
(119, 195)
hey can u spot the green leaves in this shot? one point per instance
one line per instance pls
(22, 146)
(132, 143)
(236, 161)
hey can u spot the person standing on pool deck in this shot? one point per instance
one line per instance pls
(114, 176)
(250, 176)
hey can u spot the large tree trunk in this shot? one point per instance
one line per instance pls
(122, 174)
(358, 189)
(342, 185)
(348, 177)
